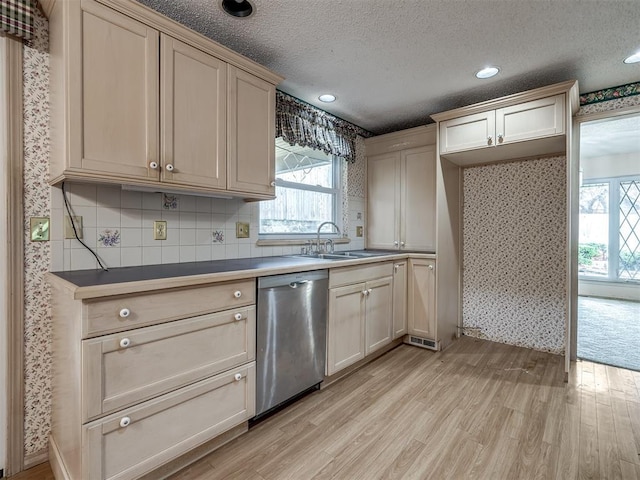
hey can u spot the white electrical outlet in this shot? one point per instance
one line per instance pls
(68, 229)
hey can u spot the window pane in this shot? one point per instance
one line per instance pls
(593, 259)
(629, 261)
(295, 211)
(303, 165)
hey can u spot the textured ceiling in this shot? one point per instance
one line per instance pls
(393, 63)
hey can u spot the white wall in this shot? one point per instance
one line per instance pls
(3, 256)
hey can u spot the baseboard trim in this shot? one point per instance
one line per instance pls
(58, 467)
(33, 459)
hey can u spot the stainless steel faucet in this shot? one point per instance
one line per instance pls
(318, 246)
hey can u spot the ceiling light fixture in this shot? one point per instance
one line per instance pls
(327, 98)
(487, 72)
(237, 8)
(635, 58)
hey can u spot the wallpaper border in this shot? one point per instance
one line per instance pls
(612, 93)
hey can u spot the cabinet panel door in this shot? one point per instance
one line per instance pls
(345, 328)
(379, 313)
(383, 201)
(117, 82)
(422, 299)
(166, 427)
(464, 133)
(251, 133)
(163, 357)
(194, 116)
(399, 299)
(529, 120)
(418, 204)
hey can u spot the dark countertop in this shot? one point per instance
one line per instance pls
(87, 278)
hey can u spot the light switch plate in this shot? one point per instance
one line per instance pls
(242, 230)
(68, 229)
(39, 229)
(160, 230)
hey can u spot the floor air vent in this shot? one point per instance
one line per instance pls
(423, 342)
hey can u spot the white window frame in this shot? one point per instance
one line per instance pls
(336, 191)
(613, 244)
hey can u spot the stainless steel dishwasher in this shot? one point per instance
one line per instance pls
(291, 336)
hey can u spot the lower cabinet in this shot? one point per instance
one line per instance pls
(136, 440)
(421, 301)
(360, 313)
(399, 299)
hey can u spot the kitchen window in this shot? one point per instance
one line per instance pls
(609, 245)
(307, 193)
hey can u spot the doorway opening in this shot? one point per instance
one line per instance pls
(608, 320)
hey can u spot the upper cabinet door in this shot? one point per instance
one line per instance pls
(251, 146)
(468, 132)
(418, 206)
(114, 95)
(529, 120)
(193, 116)
(383, 201)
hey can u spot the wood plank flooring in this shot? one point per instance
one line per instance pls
(479, 410)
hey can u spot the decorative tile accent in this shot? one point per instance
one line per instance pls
(37, 304)
(109, 238)
(217, 236)
(612, 93)
(514, 253)
(169, 202)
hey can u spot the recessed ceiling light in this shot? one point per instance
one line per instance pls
(237, 8)
(635, 58)
(327, 98)
(487, 72)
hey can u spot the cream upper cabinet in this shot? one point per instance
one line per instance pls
(523, 125)
(401, 199)
(251, 141)
(399, 299)
(134, 105)
(110, 93)
(193, 116)
(421, 300)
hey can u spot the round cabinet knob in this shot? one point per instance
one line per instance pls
(238, 377)
(500, 138)
(125, 421)
(489, 140)
(237, 294)
(395, 243)
(125, 342)
(402, 244)
(125, 312)
(369, 291)
(365, 292)
(273, 184)
(238, 316)
(430, 267)
(169, 167)
(153, 165)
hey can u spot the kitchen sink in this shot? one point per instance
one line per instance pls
(341, 255)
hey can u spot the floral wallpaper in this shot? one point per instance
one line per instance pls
(613, 93)
(514, 251)
(37, 312)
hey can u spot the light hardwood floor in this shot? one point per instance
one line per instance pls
(479, 410)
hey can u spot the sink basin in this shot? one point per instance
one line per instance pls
(341, 255)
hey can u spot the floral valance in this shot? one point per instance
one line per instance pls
(299, 123)
(16, 18)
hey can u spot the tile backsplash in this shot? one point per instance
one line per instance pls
(118, 226)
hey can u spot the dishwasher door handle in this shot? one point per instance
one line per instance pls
(298, 283)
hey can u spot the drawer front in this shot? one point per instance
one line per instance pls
(131, 311)
(358, 274)
(126, 368)
(139, 439)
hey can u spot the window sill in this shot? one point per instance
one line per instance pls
(297, 241)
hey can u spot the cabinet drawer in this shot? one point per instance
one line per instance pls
(140, 439)
(125, 368)
(358, 274)
(131, 311)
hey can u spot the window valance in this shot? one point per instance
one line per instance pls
(16, 18)
(299, 123)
